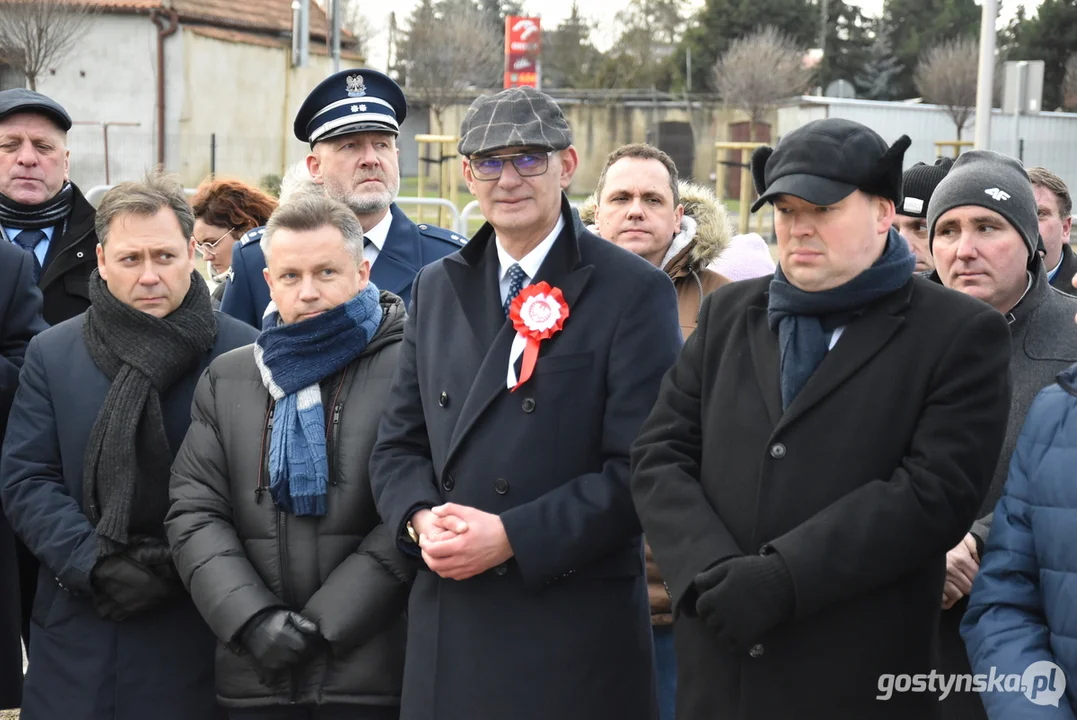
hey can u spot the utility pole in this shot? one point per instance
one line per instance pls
(985, 79)
(334, 34)
(304, 33)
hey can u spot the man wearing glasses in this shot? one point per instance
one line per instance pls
(351, 120)
(530, 359)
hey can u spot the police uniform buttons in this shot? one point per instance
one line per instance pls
(501, 486)
(443, 401)
(422, 227)
(756, 651)
(528, 405)
(501, 569)
(448, 483)
(777, 451)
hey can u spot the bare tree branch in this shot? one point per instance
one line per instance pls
(946, 75)
(760, 70)
(458, 51)
(38, 34)
(1069, 84)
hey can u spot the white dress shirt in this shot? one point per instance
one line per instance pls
(530, 263)
(42, 248)
(377, 236)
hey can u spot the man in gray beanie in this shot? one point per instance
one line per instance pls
(984, 234)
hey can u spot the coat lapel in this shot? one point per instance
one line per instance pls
(474, 277)
(765, 359)
(861, 340)
(400, 260)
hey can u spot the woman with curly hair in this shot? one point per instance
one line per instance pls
(224, 210)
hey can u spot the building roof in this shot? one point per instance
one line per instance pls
(267, 16)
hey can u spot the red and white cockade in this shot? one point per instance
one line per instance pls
(538, 313)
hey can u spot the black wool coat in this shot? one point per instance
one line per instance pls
(861, 485)
(20, 320)
(562, 630)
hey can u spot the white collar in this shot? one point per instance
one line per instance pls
(532, 261)
(380, 232)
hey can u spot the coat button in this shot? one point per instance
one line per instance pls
(443, 401)
(501, 486)
(756, 651)
(501, 569)
(777, 451)
(80, 254)
(448, 483)
(529, 405)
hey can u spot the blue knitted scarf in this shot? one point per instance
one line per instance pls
(804, 321)
(293, 358)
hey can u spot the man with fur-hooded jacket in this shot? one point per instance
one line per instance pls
(640, 205)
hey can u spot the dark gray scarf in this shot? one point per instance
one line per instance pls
(34, 217)
(127, 463)
(804, 321)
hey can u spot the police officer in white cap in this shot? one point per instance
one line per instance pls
(351, 120)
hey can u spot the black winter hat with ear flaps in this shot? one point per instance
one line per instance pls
(825, 160)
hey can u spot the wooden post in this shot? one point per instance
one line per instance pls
(744, 154)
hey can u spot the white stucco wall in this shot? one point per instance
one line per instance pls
(109, 77)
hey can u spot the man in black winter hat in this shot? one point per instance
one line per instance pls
(984, 234)
(801, 519)
(917, 184)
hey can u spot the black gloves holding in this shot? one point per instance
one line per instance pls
(279, 639)
(744, 597)
(134, 580)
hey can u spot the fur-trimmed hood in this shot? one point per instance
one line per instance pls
(700, 203)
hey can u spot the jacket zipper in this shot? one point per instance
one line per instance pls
(334, 430)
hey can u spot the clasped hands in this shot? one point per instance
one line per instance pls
(742, 598)
(460, 542)
(962, 565)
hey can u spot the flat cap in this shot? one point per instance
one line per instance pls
(517, 117)
(19, 100)
(351, 101)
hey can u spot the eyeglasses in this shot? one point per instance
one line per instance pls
(211, 248)
(526, 164)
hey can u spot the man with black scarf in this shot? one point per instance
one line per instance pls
(103, 404)
(826, 435)
(43, 214)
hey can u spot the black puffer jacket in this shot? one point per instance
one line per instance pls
(238, 555)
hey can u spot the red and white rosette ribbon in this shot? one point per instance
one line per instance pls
(537, 313)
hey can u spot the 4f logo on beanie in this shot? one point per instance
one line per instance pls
(997, 194)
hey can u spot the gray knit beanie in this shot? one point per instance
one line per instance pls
(996, 182)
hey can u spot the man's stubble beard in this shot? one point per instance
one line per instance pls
(365, 203)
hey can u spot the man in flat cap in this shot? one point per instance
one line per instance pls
(825, 437)
(529, 361)
(917, 185)
(46, 216)
(351, 120)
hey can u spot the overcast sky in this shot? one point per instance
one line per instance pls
(600, 12)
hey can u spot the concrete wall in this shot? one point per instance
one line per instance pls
(601, 126)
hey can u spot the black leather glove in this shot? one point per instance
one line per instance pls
(742, 598)
(135, 579)
(279, 639)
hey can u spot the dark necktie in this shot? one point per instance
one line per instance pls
(28, 240)
(516, 284)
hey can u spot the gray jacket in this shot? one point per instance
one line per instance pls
(238, 555)
(1044, 344)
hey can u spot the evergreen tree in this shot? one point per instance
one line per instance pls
(569, 60)
(915, 26)
(875, 81)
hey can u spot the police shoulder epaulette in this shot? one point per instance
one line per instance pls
(439, 233)
(252, 236)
